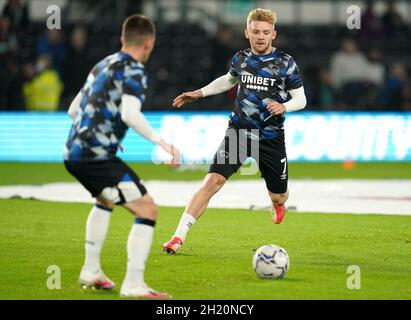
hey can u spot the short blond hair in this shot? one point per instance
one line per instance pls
(262, 15)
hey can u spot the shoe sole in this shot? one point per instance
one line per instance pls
(93, 286)
(169, 251)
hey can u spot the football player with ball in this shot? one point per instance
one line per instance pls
(265, 76)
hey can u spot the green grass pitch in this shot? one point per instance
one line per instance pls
(215, 262)
(38, 173)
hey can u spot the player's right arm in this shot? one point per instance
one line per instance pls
(219, 85)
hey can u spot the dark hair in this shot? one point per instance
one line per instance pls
(136, 29)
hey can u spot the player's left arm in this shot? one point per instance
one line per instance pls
(130, 110)
(294, 85)
(131, 115)
(131, 104)
(297, 102)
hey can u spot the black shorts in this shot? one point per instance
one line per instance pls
(112, 179)
(270, 155)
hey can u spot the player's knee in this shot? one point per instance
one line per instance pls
(153, 211)
(105, 203)
(213, 183)
(150, 212)
(109, 196)
(144, 208)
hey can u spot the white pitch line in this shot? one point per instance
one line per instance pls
(328, 196)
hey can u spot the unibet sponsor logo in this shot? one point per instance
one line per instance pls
(258, 83)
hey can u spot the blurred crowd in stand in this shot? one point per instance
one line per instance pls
(343, 70)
